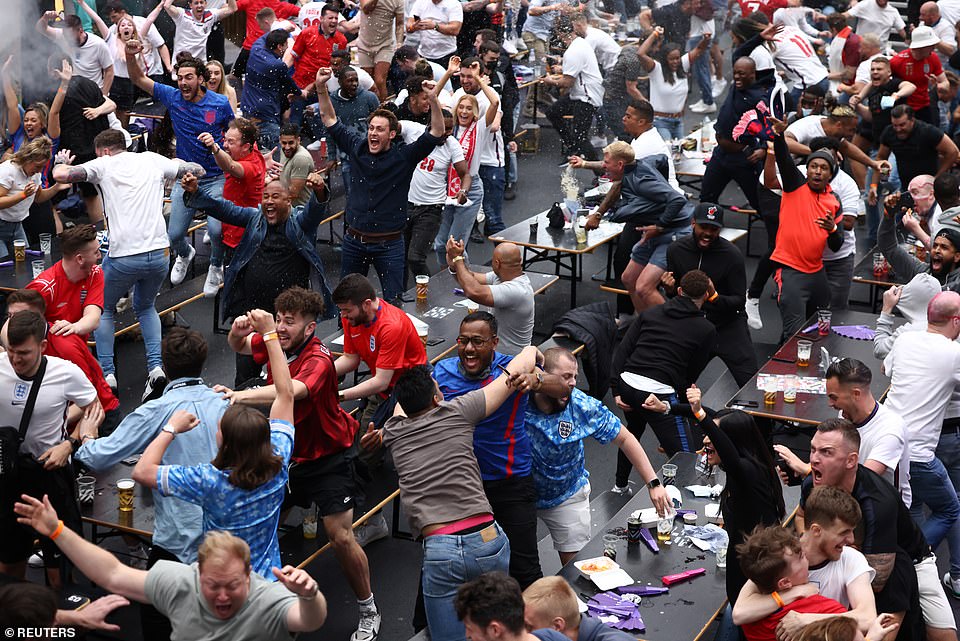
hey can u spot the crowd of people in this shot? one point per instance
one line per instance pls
(831, 114)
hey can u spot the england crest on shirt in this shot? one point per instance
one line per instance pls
(20, 392)
(373, 344)
(565, 429)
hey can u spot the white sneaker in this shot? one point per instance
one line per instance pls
(214, 279)
(206, 238)
(368, 629)
(180, 265)
(701, 108)
(622, 490)
(156, 379)
(951, 585)
(111, 380)
(374, 529)
(753, 313)
(719, 86)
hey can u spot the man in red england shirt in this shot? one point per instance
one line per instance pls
(244, 168)
(918, 65)
(73, 288)
(74, 349)
(250, 8)
(310, 52)
(321, 471)
(379, 335)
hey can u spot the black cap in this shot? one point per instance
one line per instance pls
(708, 214)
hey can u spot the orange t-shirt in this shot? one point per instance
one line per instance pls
(800, 241)
(389, 342)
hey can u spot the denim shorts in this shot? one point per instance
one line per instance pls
(654, 252)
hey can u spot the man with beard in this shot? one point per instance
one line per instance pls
(809, 222)
(719, 259)
(944, 251)
(558, 419)
(277, 249)
(193, 111)
(920, 148)
(500, 441)
(353, 107)
(321, 472)
(887, 535)
(379, 175)
(295, 165)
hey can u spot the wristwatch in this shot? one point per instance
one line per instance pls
(74, 444)
(169, 429)
(436, 26)
(654, 482)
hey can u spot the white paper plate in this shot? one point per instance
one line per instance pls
(645, 384)
(611, 579)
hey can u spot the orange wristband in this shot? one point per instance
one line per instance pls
(53, 535)
(714, 297)
(777, 599)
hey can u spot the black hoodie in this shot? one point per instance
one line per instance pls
(723, 263)
(670, 343)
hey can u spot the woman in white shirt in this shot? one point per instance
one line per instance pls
(668, 81)
(218, 83)
(473, 133)
(20, 187)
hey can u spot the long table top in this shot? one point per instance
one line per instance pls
(563, 240)
(688, 608)
(812, 409)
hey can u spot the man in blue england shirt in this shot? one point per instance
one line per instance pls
(379, 174)
(266, 81)
(178, 524)
(193, 110)
(559, 417)
(500, 441)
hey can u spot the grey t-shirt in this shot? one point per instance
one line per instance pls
(433, 453)
(298, 167)
(513, 306)
(174, 589)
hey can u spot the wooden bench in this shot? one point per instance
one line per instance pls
(562, 340)
(329, 221)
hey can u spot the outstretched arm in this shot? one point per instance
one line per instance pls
(97, 20)
(282, 407)
(327, 114)
(10, 97)
(133, 49)
(99, 565)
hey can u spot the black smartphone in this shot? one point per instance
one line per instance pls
(738, 403)
(793, 479)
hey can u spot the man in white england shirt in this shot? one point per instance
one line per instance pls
(91, 56)
(879, 17)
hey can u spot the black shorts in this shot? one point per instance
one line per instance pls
(124, 93)
(33, 480)
(330, 482)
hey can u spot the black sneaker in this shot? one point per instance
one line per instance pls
(477, 237)
(510, 191)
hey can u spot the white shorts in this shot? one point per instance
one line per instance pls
(569, 522)
(937, 611)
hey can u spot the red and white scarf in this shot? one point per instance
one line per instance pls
(468, 142)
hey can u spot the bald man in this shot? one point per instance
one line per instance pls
(924, 370)
(930, 16)
(506, 289)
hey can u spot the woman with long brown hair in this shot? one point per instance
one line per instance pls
(242, 489)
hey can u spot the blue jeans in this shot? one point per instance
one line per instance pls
(796, 91)
(669, 128)
(886, 187)
(9, 232)
(458, 221)
(145, 274)
(269, 135)
(181, 216)
(493, 184)
(387, 258)
(297, 105)
(930, 485)
(948, 452)
(512, 174)
(701, 71)
(450, 561)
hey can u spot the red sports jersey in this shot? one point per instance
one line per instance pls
(66, 300)
(766, 6)
(389, 342)
(74, 349)
(906, 68)
(244, 192)
(312, 51)
(765, 629)
(322, 426)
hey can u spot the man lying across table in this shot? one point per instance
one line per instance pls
(551, 604)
